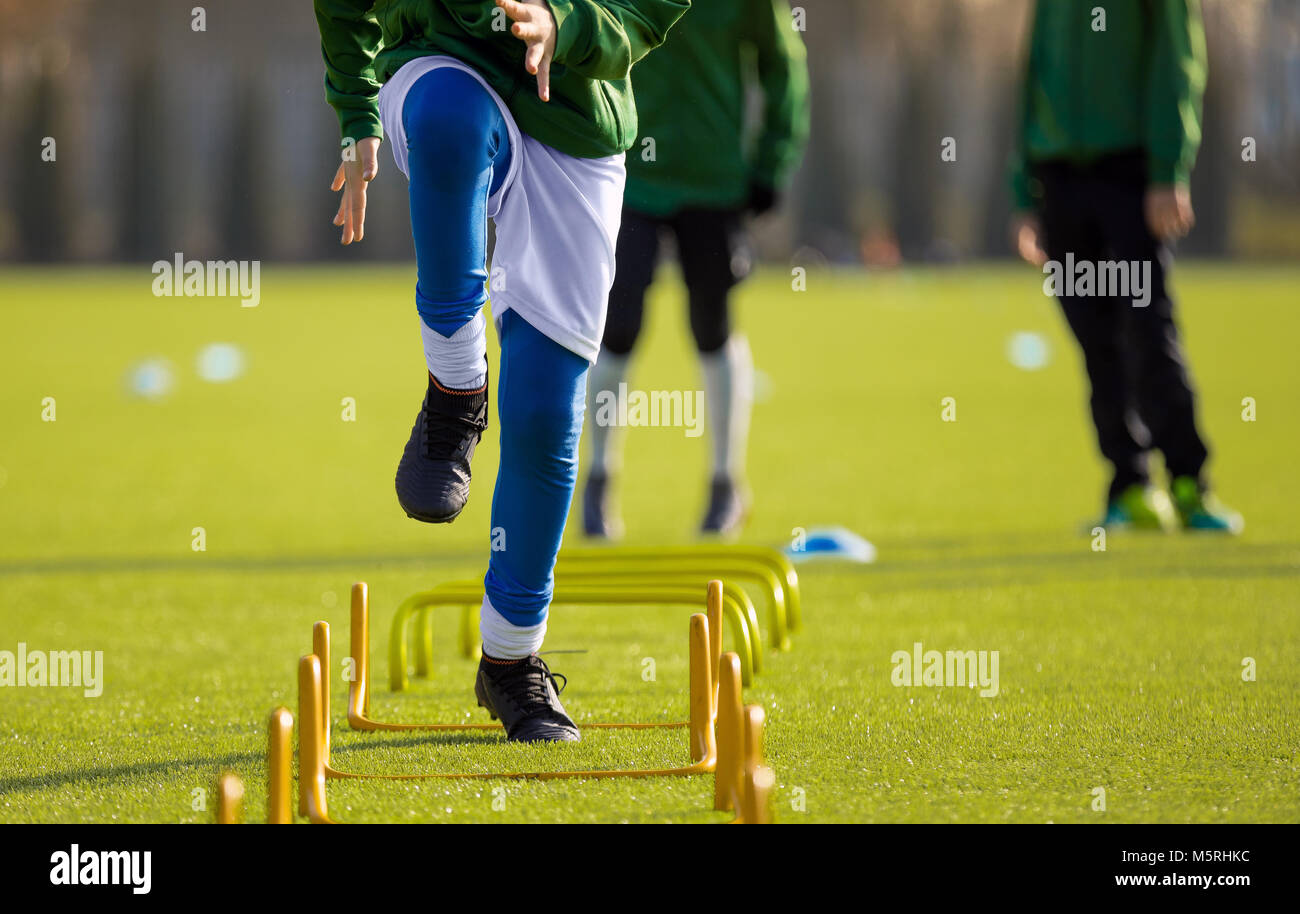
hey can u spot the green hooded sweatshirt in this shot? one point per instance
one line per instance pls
(690, 98)
(591, 111)
(1131, 81)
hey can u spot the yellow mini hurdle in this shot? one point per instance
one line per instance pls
(737, 608)
(314, 767)
(359, 687)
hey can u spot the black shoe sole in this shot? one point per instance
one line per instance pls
(424, 518)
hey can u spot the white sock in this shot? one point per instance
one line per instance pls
(729, 390)
(503, 641)
(457, 361)
(609, 371)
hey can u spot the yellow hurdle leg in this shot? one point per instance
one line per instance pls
(702, 742)
(311, 746)
(757, 780)
(397, 680)
(713, 609)
(320, 646)
(359, 687)
(230, 798)
(279, 777)
(726, 777)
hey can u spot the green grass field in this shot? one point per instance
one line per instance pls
(1120, 670)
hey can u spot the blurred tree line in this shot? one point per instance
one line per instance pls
(130, 135)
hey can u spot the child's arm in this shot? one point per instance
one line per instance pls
(783, 74)
(1174, 93)
(601, 39)
(598, 39)
(350, 39)
(1026, 228)
(1176, 85)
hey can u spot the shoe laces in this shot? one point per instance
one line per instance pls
(445, 436)
(527, 686)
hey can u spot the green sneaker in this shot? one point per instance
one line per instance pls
(1141, 507)
(1198, 510)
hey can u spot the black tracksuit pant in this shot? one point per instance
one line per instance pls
(714, 256)
(1142, 397)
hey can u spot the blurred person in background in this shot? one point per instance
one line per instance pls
(693, 174)
(1109, 132)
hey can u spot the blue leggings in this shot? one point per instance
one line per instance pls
(541, 397)
(459, 153)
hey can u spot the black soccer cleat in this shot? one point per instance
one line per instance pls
(598, 520)
(433, 474)
(728, 508)
(522, 695)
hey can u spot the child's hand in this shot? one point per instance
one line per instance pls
(1027, 238)
(535, 27)
(352, 178)
(1169, 211)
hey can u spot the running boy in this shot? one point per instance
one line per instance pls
(1111, 123)
(450, 84)
(698, 180)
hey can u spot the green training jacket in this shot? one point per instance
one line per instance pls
(1136, 85)
(591, 112)
(690, 99)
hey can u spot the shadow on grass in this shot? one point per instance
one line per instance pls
(137, 564)
(440, 738)
(122, 772)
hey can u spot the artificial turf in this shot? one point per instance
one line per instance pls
(1119, 669)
